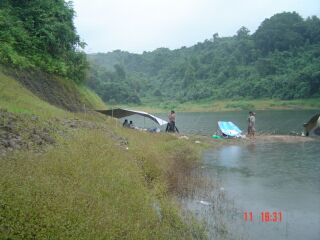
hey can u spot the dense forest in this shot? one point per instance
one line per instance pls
(40, 35)
(281, 59)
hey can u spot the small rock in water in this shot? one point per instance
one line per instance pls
(221, 189)
(204, 203)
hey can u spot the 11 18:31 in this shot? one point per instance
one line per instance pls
(264, 216)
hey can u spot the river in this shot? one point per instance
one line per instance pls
(263, 178)
(271, 177)
(205, 123)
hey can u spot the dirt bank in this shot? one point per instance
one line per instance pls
(60, 93)
(30, 132)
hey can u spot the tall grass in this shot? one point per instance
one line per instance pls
(90, 187)
(91, 97)
(96, 182)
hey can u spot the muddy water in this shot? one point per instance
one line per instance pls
(263, 178)
(276, 179)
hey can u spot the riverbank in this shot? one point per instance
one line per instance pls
(225, 105)
(81, 176)
(97, 181)
(114, 181)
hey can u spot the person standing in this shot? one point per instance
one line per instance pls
(171, 126)
(251, 124)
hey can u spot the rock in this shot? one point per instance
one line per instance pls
(12, 143)
(204, 203)
(36, 139)
(5, 143)
(34, 118)
(47, 138)
(184, 137)
(8, 128)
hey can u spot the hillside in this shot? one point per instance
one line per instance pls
(40, 35)
(280, 60)
(67, 172)
(79, 176)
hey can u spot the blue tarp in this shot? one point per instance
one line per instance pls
(229, 129)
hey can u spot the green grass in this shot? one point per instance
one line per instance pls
(92, 97)
(89, 186)
(227, 105)
(16, 98)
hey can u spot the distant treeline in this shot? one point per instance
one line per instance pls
(40, 35)
(280, 60)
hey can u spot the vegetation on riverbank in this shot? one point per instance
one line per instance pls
(71, 175)
(40, 35)
(88, 187)
(66, 171)
(280, 60)
(224, 105)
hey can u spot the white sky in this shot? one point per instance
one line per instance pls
(144, 25)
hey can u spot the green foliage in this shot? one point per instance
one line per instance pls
(281, 32)
(240, 105)
(39, 34)
(280, 60)
(114, 86)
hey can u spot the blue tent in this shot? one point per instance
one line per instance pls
(228, 129)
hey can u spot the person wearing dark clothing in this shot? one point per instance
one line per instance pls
(125, 123)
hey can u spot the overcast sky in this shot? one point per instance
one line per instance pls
(144, 25)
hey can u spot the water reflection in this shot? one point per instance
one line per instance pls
(251, 147)
(272, 177)
(229, 156)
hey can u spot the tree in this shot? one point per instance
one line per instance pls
(40, 34)
(280, 32)
(280, 60)
(243, 32)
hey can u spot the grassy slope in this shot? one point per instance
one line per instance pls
(89, 186)
(92, 97)
(15, 98)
